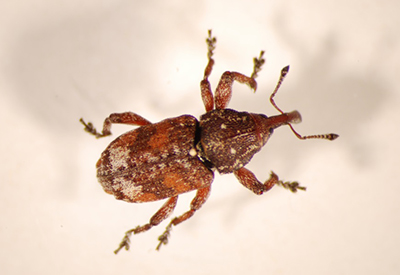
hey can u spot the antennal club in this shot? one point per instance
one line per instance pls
(284, 72)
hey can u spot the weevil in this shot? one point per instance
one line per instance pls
(163, 160)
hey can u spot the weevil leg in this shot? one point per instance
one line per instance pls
(249, 180)
(205, 87)
(200, 198)
(163, 213)
(206, 95)
(121, 118)
(223, 93)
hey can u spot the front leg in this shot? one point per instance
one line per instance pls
(122, 118)
(205, 87)
(223, 92)
(249, 180)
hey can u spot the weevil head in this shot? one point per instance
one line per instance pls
(266, 125)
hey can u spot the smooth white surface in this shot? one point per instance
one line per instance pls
(62, 60)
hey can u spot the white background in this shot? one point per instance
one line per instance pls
(62, 60)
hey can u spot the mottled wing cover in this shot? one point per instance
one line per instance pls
(154, 162)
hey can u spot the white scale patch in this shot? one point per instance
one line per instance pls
(164, 154)
(237, 163)
(127, 188)
(176, 150)
(118, 157)
(152, 159)
(186, 165)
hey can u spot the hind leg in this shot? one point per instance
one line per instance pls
(163, 213)
(121, 118)
(200, 198)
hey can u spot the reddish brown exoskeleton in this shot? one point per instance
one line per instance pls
(177, 155)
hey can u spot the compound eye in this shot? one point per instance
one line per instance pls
(271, 130)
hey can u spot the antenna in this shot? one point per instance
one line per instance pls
(284, 72)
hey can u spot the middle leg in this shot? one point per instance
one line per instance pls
(249, 180)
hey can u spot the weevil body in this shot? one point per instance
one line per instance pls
(177, 155)
(154, 162)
